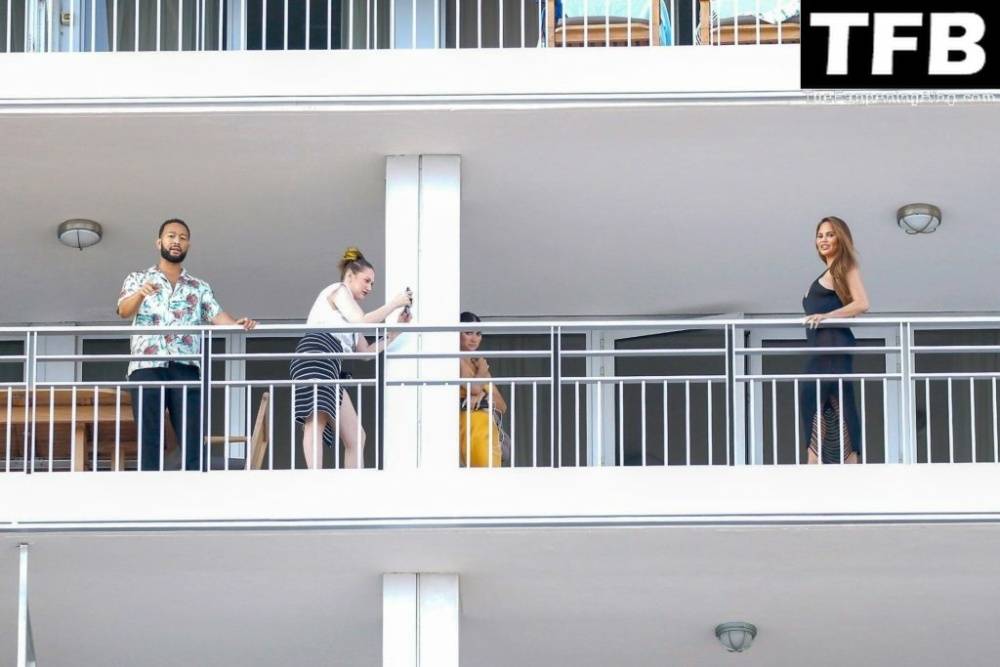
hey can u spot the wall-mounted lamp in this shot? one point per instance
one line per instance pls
(736, 637)
(918, 218)
(79, 233)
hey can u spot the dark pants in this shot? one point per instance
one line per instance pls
(173, 400)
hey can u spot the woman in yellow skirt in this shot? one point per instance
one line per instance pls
(479, 435)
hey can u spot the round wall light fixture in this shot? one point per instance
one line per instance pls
(79, 233)
(918, 218)
(736, 637)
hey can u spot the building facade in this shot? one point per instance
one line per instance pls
(628, 195)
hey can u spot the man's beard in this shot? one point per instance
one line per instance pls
(173, 259)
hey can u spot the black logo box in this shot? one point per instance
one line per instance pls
(910, 68)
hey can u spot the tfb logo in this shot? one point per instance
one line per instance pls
(893, 44)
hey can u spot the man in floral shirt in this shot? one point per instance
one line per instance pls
(166, 295)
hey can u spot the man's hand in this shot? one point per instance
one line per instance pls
(224, 319)
(129, 305)
(148, 289)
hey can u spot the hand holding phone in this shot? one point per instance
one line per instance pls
(404, 299)
(406, 308)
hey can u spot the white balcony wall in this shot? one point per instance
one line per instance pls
(390, 76)
(520, 497)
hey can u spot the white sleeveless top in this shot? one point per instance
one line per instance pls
(322, 313)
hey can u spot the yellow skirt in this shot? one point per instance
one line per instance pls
(475, 443)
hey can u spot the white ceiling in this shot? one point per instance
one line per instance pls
(646, 209)
(916, 595)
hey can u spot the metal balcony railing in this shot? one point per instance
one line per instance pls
(671, 392)
(240, 25)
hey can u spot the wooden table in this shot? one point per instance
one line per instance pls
(62, 433)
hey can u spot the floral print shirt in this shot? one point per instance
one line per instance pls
(189, 303)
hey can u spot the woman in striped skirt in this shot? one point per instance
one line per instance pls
(320, 405)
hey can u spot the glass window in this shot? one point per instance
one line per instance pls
(11, 371)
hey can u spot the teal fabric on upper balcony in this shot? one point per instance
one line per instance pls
(769, 11)
(598, 10)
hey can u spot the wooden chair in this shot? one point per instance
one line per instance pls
(743, 31)
(258, 437)
(601, 30)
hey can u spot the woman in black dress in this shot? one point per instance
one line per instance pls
(837, 293)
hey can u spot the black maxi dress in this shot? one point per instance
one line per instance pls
(819, 299)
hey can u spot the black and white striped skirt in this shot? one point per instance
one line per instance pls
(323, 397)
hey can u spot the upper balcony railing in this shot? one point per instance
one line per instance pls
(629, 393)
(240, 25)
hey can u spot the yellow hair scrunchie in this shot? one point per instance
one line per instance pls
(352, 254)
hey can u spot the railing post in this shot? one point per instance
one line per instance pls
(730, 334)
(204, 451)
(907, 411)
(380, 360)
(740, 423)
(556, 347)
(30, 409)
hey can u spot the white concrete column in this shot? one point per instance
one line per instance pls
(420, 620)
(25, 639)
(423, 195)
